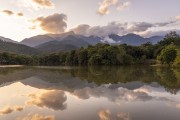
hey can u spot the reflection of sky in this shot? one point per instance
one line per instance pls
(46, 101)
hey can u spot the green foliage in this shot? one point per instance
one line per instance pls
(17, 48)
(72, 58)
(9, 59)
(177, 60)
(100, 54)
(168, 54)
(170, 38)
(83, 56)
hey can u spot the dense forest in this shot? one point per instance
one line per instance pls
(166, 51)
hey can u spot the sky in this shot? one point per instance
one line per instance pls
(21, 19)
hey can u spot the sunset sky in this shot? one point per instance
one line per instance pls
(20, 19)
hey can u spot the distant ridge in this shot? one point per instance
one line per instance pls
(71, 41)
(17, 48)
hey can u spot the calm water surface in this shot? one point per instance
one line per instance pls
(94, 93)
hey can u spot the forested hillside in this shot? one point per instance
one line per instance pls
(166, 52)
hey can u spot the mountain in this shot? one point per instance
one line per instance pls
(60, 42)
(115, 37)
(156, 39)
(130, 39)
(70, 36)
(7, 40)
(55, 46)
(70, 41)
(133, 39)
(17, 48)
(36, 40)
(40, 39)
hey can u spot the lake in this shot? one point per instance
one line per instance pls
(89, 93)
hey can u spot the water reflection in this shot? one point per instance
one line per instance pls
(51, 99)
(100, 93)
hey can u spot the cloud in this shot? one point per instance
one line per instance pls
(108, 40)
(120, 94)
(124, 5)
(11, 13)
(8, 109)
(44, 3)
(19, 14)
(37, 117)
(51, 99)
(138, 26)
(106, 4)
(178, 106)
(177, 17)
(141, 28)
(159, 33)
(106, 115)
(8, 12)
(55, 23)
(18, 108)
(165, 23)
(35, 4)
(111, 28)
(81, 29)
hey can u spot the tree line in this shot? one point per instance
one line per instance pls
(164, 51)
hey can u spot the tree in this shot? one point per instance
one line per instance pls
(83, 56)
(72, 58)
(168, 54)
(170, 38)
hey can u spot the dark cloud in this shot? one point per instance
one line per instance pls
(55, 23)
(120, 94)
(160, 33)
(111, 28)
(81, 29)
(8, 12)
(51, 99)
(162, 24)
(20, 14)
(140, 28)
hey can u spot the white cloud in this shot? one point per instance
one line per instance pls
(35, 4)
(124, 5)
(108, 40)
(104, 7)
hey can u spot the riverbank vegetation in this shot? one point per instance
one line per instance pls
(166, 51)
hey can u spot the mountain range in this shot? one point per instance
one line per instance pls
(69, 41)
